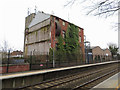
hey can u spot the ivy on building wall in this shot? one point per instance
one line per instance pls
(72, 46)
(68, 48)
(72, 39)
(60, 50)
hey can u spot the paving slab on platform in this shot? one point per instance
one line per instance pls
(111, 83)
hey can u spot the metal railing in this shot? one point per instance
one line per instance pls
(45, 61)
(38, 61)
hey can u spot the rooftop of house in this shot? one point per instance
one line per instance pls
(92, 47)
(41, 16)
(17, 52)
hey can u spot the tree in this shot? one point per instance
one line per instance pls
(113, 48)
(5, 48)
(100, 7)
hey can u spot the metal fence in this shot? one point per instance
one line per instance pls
(39, 61)
(8, 59)
(45, 61)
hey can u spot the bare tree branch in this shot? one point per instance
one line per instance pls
(108, 11)
(70, 3)
(100, 7)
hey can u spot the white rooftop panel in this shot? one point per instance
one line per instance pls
(39, 17)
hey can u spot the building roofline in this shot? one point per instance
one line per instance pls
(100, 48)
(57, 17)
(67, 21)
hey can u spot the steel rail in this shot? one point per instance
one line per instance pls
(95, 79)
(69, 77)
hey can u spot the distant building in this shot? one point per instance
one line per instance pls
(16, 54)
(42, 30)
(3, 55)
(97, 51)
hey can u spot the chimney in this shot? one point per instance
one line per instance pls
(28, 20)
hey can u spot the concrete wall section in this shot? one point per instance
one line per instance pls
(21, 81)
(40, 25)
(38, 37)
(38, 48)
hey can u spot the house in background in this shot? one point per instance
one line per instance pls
(3, 55)
(16, 54)
(42, 30)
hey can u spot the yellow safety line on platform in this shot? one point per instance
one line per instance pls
(117, 87)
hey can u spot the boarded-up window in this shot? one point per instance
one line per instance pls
(79, 30)
(63, 32)
(63, 23)
(80, 38)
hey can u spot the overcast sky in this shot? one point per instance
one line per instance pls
(99, 31)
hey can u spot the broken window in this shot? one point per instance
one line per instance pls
(56, 45)
(57, 18)
(57, 29)
(80, 38)
(79, 30)
(55, 25)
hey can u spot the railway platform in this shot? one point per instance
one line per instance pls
(112, 83)
(22, 79)
(29, 73)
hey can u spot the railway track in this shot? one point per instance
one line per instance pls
(89, 84)
(76, 81)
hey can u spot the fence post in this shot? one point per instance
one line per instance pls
(47, 60)
(76, 58)
(8, 61)
(30, 60)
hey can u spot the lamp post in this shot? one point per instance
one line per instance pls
(8, 61)
(53, 55)
(86, 50)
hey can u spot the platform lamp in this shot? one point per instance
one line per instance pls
(86, 49)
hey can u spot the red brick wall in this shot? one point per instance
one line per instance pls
(62, 26)
(52, 31)
(81, 33)
(3, 69)
(14, 68)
